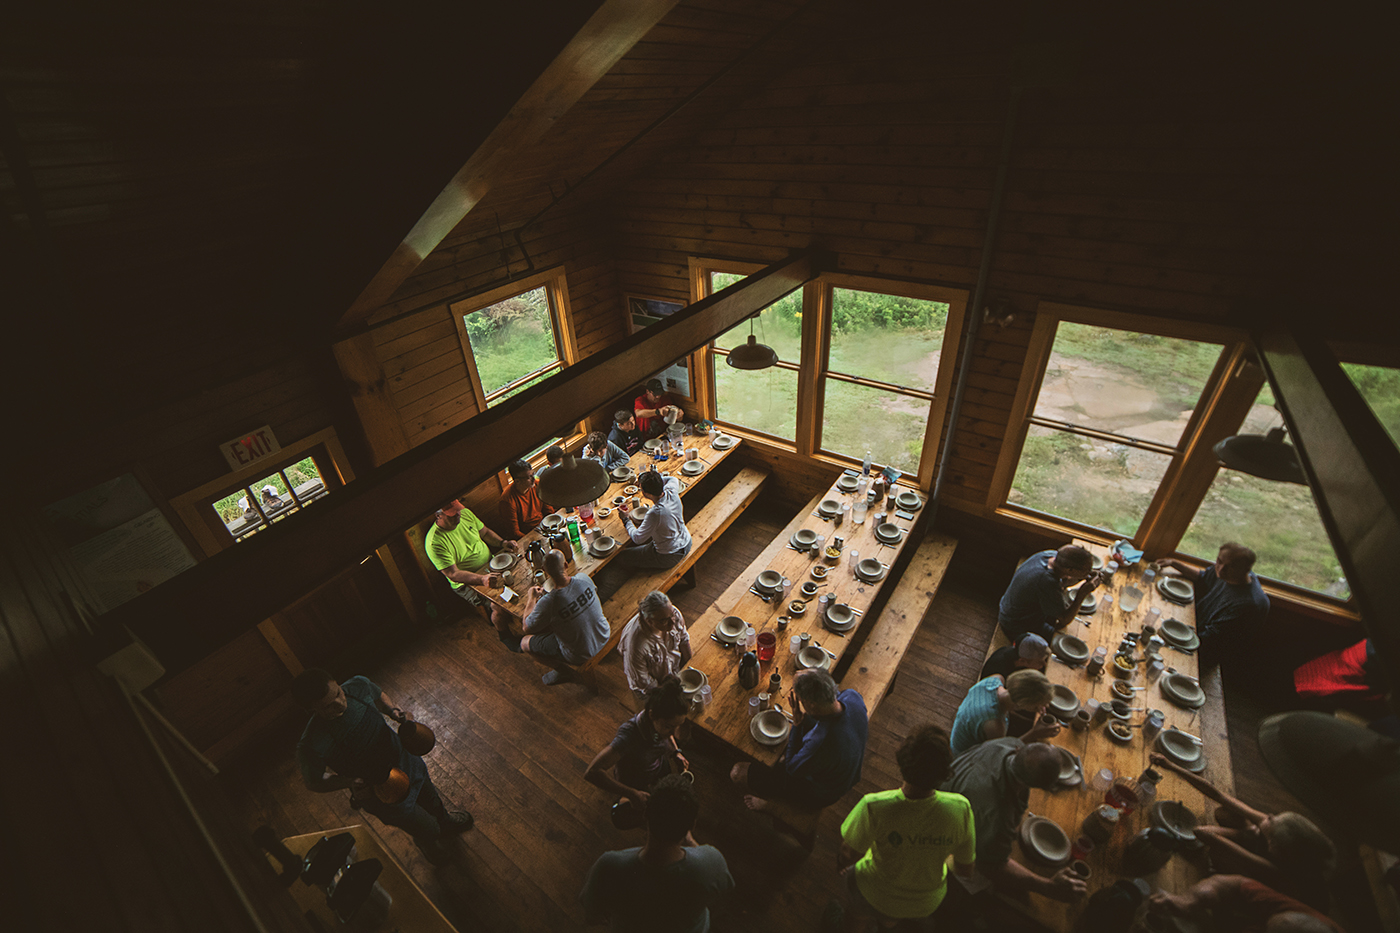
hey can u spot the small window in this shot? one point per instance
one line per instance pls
(252, 508)
(1279, 521)
(882, 367)
(1108, 422)
(763, 400)
(514, 343)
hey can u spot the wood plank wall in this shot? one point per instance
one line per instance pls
(1123, 194)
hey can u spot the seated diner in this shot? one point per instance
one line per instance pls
(598, 447)
(459, 545)
(661, 538)
(651, 409)
(521, 508)
(1037, 601)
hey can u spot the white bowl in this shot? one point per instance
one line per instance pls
(829, 507)
(769, 580)
(502, 561)
(888, 531)
(839, 614)
(819, 571)
(772, 723)
(692, 679)
(805, 536)
(869, 567)
(1071, 648)
(731, 627)
(811, 657)
(908, 500)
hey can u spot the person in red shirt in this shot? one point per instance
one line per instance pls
(650, 408)
(521, 508)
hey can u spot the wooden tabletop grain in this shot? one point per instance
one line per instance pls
(1069, 806)
(728, 715)
(585, 561)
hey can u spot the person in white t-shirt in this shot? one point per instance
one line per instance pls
(655, 644)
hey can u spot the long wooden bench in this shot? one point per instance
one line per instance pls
(872, 671)
(705, 528)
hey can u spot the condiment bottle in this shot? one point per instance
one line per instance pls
(748, 670)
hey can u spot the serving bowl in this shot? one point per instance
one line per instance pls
(809, 589)
(1119, 732)
(819, 571)
(1045, 841)
(797, 607)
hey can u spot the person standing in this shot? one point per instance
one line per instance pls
(895, 843)
(347, 744)
(663, 538)
(667, 885)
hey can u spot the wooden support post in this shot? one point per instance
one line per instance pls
(369, 390)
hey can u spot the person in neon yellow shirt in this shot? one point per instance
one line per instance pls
(895, 843)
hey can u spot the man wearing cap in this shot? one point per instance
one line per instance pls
(460, 546)
(1037, 601)
(1029, 653)
(650, 408)
(347, 744)
(521, 508)
(996, 777)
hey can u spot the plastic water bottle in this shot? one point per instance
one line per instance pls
(574, 532)
(865, 467)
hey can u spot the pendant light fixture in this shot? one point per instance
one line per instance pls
(752, 355)
(1264, 455)
(573, 482)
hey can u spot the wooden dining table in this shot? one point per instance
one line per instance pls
(586, 562)
(728, 715)
(1068, 806)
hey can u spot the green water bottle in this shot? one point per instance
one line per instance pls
(574, 533)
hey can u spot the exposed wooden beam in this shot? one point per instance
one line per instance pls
(210, 604)
(1353, 469)
(608, 35)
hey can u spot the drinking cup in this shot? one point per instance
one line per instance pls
(795, 643)
(706, 694)
(636, 502)
(1102, 780)
(505, 578)
(755, 704)
(804, 639)
(1080, 868)
(1081, 847)
(539, 578)
(692, 454)
(764, 701)
(1081, 720)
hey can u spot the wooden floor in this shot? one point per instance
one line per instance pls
(514, 753)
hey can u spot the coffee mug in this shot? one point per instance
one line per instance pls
(1080, 868)
(1081, 720)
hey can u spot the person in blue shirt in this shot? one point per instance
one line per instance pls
(1036, 600)
(599, 448)
(824, 753)
(1230, 602)
(347, 744)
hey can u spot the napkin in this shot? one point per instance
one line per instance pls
(891, 475)
(508, 594)
(1130, 554)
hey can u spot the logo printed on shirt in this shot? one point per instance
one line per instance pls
(919, 839)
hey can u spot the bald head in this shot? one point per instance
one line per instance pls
(1036, 765)
(555, 565)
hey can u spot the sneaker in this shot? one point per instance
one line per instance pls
(458, 821)
(435, 852)
(553, 678)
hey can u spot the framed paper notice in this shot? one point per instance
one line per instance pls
(119, 538)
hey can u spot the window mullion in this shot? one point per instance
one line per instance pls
(1082, 431)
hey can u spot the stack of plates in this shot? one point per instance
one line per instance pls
(730, 630)
(623, 474)
(654, 444)
(847, 483)
(1176, 589)
(602, 546)
(1064, 702)
(768, 581)
(692, 680)
(803, 538)
(871, 570)
(840, 618)
(722, 442)
(908, 501)
(1043, 840)
(1091, 602)
(1178, 633)
(770, 727)
(1070, 649)
(1183, 691)
(813, 658)
(1181, 750)
(829, 507)
(552, 522)
(889, 532)
(502, 561)
(693, 467)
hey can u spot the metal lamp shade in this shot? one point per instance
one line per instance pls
(574, 482)
(1266, 456)
(752, 355)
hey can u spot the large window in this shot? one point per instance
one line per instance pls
(763, 400)
(515, 337)
(862, 366)
(1114, 432)
(882, 366)
(1107, 423)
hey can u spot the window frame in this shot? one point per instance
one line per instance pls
(1225, 400)
(556, 290)
(813, 368)
(196, 507)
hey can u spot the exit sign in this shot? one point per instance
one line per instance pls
(247, 449)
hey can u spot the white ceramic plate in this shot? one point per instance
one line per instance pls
(692, 679)
(1176, 589)
(552, 522)
(1178, 747)
(1071, 648)
(693, 468)
(770, 727)
(846, 483)
(722, 442)
(1044, 840)
(653, 444)
(840, 614)
(502, 561)
(829, 507)
(890, 532)
(908, 501)
(602, 545)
